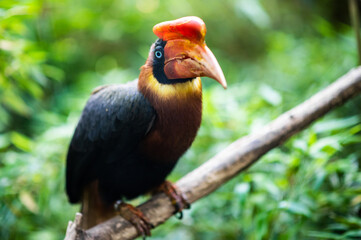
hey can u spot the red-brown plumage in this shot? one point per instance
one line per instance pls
(177, 122)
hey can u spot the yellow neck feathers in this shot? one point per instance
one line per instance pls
(149, 85)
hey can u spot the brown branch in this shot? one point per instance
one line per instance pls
(234, 159)
(355, 21)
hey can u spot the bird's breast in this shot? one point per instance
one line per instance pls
(177, 122)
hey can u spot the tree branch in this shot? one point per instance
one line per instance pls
(355, 22)
(232, 160)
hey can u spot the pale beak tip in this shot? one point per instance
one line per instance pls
(224, 84)
(222, 81)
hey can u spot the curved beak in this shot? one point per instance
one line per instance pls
(187, 59)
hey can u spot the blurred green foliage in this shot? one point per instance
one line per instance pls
(275, 54)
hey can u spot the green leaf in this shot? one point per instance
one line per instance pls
(295, 208)
(4, 141)
(270, 95)
(15, 103)
(22, 142)
(323, 235)
(335, 124)
(242, 189)
(353, 234)
(53, 72)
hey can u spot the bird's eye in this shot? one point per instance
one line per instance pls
(158, 54)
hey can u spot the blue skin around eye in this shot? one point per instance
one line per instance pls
(158, 54)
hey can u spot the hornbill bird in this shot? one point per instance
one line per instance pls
(130, 136)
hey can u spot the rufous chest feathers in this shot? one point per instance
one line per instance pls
(179, 113)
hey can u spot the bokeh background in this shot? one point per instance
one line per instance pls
(275, 54)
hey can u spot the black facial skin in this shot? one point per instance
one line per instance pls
(158, 65)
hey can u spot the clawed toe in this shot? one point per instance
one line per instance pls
(135, 217)
(177, 198)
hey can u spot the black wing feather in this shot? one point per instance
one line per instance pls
(114, 119)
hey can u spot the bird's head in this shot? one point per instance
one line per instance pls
(181, 55)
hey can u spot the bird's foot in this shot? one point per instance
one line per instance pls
(135, 217)
(177, 198)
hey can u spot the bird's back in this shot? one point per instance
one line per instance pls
(113, 122)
